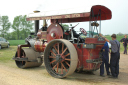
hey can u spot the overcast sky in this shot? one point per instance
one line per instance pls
(118, 23)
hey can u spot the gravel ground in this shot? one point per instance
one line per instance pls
(11, 75)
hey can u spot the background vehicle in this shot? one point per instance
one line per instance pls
(4, 43)
(64, 52)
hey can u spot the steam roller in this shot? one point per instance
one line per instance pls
(27, 57)
(64, 50)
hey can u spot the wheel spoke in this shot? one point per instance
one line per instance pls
(67, 59)
(62, 47)
(67, 63)
(58, 48)
(51, 57)
(57, 67)
(67, 55)
(61, 69)
(53, 53)
(22, 62)
(54, 66)
(52, 61)
(64, 67)
(23, 57)
(64, 51)
(55, 48)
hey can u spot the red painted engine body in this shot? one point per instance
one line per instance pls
(39, 46)
(88, 58)
(89, 54)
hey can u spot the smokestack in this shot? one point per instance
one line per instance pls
(36, 23)
(44, 23)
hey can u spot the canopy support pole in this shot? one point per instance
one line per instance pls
(100, 22)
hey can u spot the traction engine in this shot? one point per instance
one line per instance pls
(64, 52)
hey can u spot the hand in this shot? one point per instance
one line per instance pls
(109, 51)
(100, 35)
(104, 50)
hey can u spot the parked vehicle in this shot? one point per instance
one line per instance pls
(64, 52)
(4, 43)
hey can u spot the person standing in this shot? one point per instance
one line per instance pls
(105, 60)
(125, 41)
(115, 55)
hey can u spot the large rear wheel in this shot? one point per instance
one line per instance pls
(60, 58)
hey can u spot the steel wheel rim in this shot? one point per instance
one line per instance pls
(59, 63)
(20, 64)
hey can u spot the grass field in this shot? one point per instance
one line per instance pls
(118, 37)
(6, 54)
(16, 42)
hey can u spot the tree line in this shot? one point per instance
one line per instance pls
(21, 28)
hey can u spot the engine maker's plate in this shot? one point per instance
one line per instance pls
(54, 31)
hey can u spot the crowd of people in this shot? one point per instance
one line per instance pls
(115, 56)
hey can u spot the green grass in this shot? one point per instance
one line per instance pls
(6, 54)
(121, 47)
(118, 37)
(16, 42)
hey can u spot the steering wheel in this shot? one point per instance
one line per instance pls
(83, 31)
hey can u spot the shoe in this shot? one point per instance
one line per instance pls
(113, 77)
(109, 74)
(102, 75)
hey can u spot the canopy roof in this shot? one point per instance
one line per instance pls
(73, 15)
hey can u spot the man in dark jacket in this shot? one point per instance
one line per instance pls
(115, 55)
(105, 60)
(125, 41)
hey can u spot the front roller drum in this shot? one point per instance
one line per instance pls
(60, 58)
(30, 54)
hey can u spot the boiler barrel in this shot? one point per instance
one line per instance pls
(39, 46)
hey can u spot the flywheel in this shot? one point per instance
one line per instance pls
(54, 31)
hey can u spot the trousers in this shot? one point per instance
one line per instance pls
(114, 64)
(105, 61)
(125, 49)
